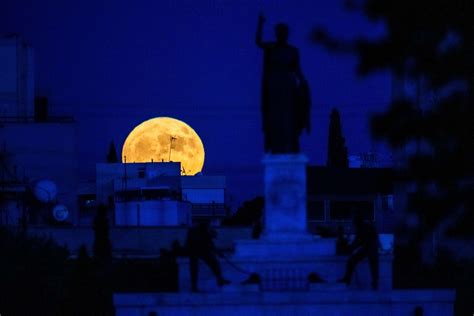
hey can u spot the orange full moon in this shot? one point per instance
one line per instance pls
(165, 139)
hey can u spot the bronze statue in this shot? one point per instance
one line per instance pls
(285, 99)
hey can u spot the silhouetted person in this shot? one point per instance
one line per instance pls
(342, 244)
(200, 245)
(365, 245)
(285, 94)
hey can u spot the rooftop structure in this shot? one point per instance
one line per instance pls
(135, 191)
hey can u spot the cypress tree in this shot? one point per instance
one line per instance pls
(337, 150)
(112, 156)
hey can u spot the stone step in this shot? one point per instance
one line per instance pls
(210, 286)
(237, 287)
(328, 287)
(287, 275)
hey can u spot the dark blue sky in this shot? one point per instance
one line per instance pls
(113, 64)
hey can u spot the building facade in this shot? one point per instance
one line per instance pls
(335, 195)
(152, 194)
(34, 145)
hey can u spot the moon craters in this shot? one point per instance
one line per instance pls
(164, 139)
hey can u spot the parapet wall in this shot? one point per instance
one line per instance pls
(132, 241)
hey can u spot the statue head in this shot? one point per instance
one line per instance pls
(281, 32)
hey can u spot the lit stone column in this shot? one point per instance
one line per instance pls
(285, 196)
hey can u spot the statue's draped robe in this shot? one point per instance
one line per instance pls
(285, 99)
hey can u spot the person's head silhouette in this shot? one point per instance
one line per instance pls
(281, 33)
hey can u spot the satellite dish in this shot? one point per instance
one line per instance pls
(60, 212)
(45, 191)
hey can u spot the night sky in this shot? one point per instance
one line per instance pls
(114, 64)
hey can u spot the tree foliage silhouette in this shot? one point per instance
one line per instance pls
(112, 156)
(102, 246)
(32, 274)
(102, 250)
(250, 213)
(428, 44)
(337, 150)
(247, 214)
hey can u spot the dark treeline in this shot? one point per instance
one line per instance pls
(428, 45)
(39, 277)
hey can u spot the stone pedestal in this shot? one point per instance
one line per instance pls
(286, 253)
(303, 247)
(324, 303)
(285, 197)
(285, 229)
(290, 273)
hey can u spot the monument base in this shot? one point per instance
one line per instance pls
(294, 246)
(285, 195)
(285, 273)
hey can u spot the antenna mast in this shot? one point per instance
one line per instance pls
(125, 172)
(172, 139)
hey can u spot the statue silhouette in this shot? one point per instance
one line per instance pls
(285, 97)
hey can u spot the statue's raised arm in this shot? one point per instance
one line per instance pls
(258, 35)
